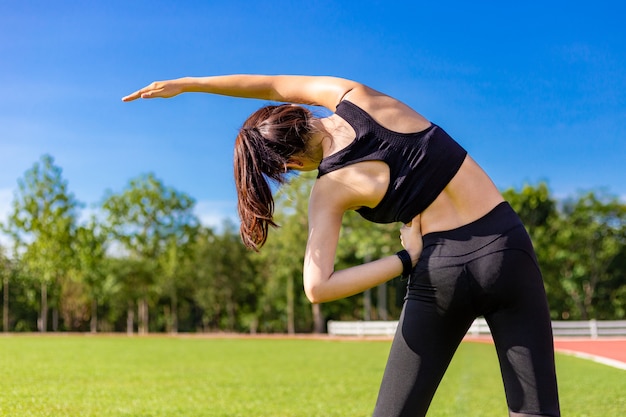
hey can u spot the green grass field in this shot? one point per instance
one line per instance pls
(178, 376)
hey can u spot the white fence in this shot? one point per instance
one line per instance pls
(592, 328)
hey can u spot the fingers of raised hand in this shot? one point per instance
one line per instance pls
(146, 92)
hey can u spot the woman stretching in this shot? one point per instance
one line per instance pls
(466, 253)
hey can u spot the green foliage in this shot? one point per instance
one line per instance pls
(90, 245)
(362, 241)
(42, 226)
(148, 265)
(156, 225)
(285, 307)
(534, 205)
(5, 275)
(147, 214)
(225, 283)
(585, 244)
(580, 248)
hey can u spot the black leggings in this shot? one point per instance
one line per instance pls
(486, 268)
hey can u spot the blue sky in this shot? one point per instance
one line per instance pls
(534, 90)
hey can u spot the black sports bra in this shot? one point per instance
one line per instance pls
(421, 164)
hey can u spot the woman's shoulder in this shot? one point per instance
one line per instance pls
(387, 111)
(351, 187)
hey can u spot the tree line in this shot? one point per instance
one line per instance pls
(144, 263)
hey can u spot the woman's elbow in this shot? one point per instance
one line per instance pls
(317, 291)
(317, 286)
(313, 293)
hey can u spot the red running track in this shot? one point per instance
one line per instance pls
(608, 351)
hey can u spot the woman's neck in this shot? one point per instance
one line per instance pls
(334, 134)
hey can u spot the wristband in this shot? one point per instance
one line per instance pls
(407, 264)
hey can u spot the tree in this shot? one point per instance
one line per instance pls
(5, 273)
(22, 296)
(362, 241)
(534, 205)
(282, 260)
(128, 279)
(90, 246)
(145, 218)
(176, 274)
(226, 284)
(586, 243)
(538, 211)
(580, 247)
(42, 224)
(612, 293)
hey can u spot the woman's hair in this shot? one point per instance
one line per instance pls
(265, 143)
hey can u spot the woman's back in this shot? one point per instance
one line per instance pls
(468, 196)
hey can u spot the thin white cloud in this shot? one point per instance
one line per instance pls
(6, 199)
(214, 213)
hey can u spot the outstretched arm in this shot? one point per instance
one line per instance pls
(313, 90)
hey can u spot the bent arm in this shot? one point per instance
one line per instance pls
(351, 281)
(321, 282)
(312, 90)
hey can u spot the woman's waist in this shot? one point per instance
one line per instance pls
(469, 196)
(496, 223)
(443, 216)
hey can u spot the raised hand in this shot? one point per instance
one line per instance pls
(162, 89)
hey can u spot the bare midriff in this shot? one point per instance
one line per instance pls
(469, 196)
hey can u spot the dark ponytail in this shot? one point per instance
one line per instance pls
(264, 145)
